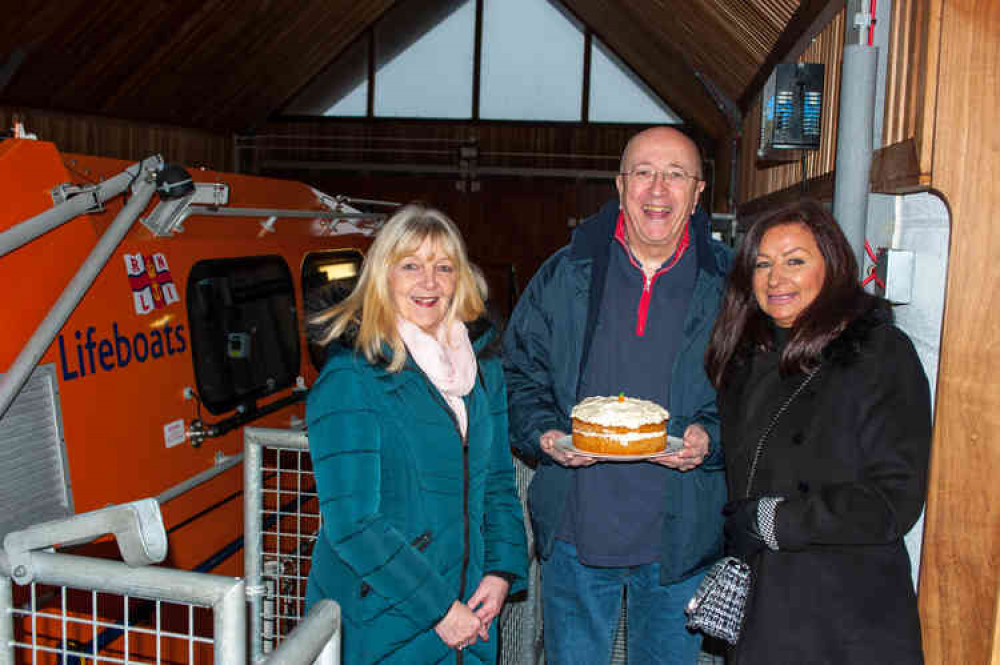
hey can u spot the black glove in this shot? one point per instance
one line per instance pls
(743, 538)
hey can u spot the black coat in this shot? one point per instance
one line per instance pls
(850, 457)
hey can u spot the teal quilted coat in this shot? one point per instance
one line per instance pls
(412, 517)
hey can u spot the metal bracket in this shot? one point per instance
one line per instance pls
(168, 216)
(137, 527)
(64, 192)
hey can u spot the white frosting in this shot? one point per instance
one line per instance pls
(627, 438)
(610, 412)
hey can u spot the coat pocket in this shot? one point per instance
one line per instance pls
(421, 543)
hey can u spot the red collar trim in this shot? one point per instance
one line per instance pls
(682, 245)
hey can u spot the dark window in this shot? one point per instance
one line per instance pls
(327, 278)
(244, 330)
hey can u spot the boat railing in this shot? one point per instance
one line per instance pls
(281, 524)
(143, 189)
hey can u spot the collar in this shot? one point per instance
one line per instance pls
(621, 235)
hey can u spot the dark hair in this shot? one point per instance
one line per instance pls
(743, 328)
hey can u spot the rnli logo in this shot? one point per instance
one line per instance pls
(152, 286)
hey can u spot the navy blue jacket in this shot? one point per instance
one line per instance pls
(545, 345)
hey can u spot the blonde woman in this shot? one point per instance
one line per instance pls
(422, 536)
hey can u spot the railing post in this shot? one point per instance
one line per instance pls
(6, 622)
(230, 620)
(252, 501)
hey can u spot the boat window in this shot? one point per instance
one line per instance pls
(244, 330)
(327, 278)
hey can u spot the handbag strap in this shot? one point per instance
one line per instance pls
(770, 426)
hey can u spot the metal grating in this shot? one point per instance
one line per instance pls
(90, 626)
(34, 478)
(86, 610)
(290, 514)
(283, 522)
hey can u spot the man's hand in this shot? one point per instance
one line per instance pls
(487, 601)
(560, 455)
(693, 453)
(460, 627)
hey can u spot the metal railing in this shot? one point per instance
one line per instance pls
(76, 608)
(281, 524)
(71, 609)
(315, 640)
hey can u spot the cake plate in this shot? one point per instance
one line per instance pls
(674, 446)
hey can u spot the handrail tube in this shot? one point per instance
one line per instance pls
(12, 382)
(26, 231)
(137, 527)
(227, 425)
(199, 478)
(6, 625)
(286, 438)
(108, 576)
(252, 500)
(213, 211)
(229, 620)
(320, 628)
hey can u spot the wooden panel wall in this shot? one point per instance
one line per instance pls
(911, 79)
(961, 552)
(316, 143)
(508, 224)
(757, 179)
(509, 221)
(107, 137)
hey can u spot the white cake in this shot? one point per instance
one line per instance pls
(619, 426)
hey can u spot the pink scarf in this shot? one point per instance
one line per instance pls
(447, 359)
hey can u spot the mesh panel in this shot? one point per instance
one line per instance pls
(33, 486)
(57, 624)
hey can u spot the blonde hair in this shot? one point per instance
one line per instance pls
(370, 308)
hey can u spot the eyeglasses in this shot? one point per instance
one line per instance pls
(644, 175)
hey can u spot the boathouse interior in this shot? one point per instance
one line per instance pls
(498, 112)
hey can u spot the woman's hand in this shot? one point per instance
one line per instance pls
(562, 456)
(487, 601)
(694, 452)
(460, 627)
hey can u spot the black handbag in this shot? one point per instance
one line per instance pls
(718, 606)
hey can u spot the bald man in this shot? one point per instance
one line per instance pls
(626, 307)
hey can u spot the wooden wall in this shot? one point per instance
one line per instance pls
(941, 135)
(511, 225)
(514, 220)
(961, 553)
(757, 179)
(108, 137)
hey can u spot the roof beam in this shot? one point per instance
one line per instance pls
(809, 19)
(654, 60)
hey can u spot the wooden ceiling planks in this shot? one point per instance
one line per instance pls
(660, 61)
(228, 65)
(220, 64)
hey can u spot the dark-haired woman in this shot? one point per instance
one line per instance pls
(841, 475)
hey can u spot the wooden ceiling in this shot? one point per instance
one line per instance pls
(230, 65)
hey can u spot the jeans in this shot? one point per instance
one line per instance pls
(582, 605)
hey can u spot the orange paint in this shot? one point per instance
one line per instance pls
(115, 411)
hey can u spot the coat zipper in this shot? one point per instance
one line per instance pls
(465, 489)
(640, 319)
